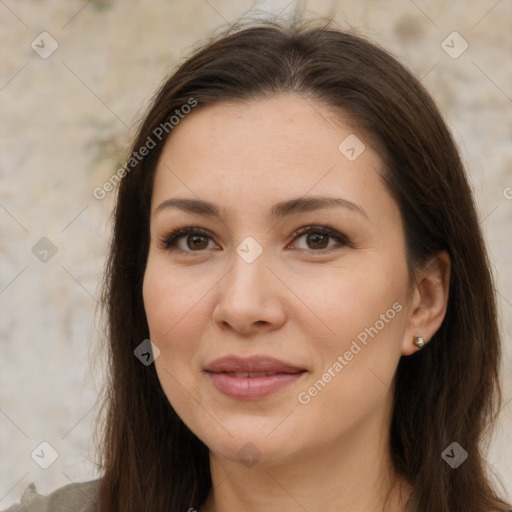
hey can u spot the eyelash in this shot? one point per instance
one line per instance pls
(168, 242)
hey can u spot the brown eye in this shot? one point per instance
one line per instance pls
(317, 238)
(196, 242)
(186, 240)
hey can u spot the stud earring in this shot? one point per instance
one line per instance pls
(419, 341)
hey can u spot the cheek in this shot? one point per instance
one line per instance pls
(174, 310)
(354, 380)
(366, 312)
(175, 314)
(363, 299)
(172, 303)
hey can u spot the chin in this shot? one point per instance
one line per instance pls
(250, 450)
(250, 439)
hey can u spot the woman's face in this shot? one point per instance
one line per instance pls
(275, 343)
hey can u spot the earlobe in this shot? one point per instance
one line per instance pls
(428, 308)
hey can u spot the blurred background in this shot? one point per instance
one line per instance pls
(75, 78)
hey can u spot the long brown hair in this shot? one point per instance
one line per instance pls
(447, 392)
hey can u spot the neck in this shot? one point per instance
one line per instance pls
(351, 475)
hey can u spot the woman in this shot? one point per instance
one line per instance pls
(295, 234)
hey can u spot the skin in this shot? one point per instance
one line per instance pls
(300, 301)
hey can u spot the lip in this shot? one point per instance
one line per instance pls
(252, 377)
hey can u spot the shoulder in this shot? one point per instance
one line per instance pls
(74, 497)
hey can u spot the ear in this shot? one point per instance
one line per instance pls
(428, 302)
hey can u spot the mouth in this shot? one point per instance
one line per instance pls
(251, 378)
(252, 375)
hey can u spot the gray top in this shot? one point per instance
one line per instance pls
(75, 497)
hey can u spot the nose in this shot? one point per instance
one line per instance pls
(250, 298)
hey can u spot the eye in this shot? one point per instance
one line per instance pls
(194, 240)
(189, 239)
(317, 237)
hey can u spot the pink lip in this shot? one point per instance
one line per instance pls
(279, 374)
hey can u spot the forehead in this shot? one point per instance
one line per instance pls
(281, 122)
(280, 147)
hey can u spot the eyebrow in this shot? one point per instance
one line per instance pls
(278, 211)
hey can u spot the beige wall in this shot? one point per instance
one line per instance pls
(65, 119)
